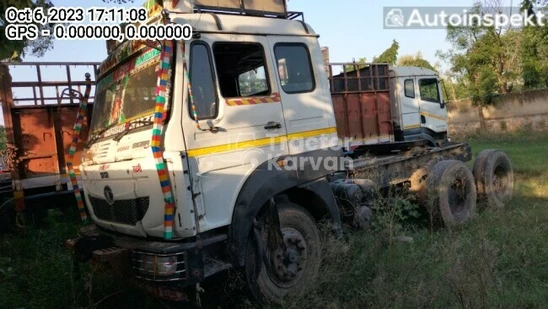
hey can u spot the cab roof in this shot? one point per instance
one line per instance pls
(406, 71)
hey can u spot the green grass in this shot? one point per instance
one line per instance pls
(499, 260)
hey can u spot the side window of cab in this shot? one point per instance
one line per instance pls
(241, 69)
(294, 68)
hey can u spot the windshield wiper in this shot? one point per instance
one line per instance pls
(128, 128)
(97, 135)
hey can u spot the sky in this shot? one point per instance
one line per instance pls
(350, 28)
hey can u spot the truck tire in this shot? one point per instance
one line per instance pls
(479, 169)
(290, 272)
(451, 192)
(494, 177)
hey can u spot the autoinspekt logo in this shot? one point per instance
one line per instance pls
(440, 18)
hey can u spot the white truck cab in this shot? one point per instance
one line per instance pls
(248, 86)
(247, 115)
(417, 94)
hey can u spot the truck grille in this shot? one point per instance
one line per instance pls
(122, 211)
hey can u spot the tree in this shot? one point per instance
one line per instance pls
(484, 58)
(415, 61)
(452, 90)
(16, 50)
(534, 54)
(360, 66)
(390, 55)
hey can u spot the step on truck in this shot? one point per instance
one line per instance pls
(228, 150)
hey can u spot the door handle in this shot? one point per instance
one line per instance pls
(272, 125)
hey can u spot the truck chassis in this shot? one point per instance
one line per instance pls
(424, 169)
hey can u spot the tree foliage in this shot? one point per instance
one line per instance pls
(360, 66)
(534, 51)
(490, 61)
(415, 61)
(16, 50)
(390, 55)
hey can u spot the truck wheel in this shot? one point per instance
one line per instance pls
(451, 191)
(289, 270)
(494, 177)
(479, 169)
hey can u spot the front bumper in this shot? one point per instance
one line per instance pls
(161, 268)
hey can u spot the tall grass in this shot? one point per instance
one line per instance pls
(498, 260)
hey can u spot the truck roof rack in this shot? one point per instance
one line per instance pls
(240, 11)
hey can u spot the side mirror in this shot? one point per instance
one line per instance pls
(443, 102)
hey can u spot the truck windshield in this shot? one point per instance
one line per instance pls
(128, 92)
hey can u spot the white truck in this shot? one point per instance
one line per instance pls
(249, 143)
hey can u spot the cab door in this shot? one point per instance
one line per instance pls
(304, 90)
(232, 122)
(410, 109)
(433, 112)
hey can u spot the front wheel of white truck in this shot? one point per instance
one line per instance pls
(283, 252)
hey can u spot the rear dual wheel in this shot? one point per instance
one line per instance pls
(451, 192)
(494, 177)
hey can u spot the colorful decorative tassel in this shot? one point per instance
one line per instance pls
(72, 150)
(162, 105)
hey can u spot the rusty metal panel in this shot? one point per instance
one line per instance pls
(39, 120)
(35, 138)
(361, 101)
(384, 114)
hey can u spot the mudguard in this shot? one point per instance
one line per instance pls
(268, 180)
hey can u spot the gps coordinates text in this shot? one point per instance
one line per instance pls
(76, 23)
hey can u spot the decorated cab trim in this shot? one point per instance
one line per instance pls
(273, 98)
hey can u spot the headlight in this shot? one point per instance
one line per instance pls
(158, 267)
